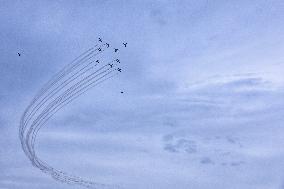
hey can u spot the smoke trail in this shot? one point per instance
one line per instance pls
(76, 78)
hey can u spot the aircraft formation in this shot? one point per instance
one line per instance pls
(83, 73)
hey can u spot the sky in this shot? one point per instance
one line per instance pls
(203, 93)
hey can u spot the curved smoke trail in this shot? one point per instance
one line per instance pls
(82, 74)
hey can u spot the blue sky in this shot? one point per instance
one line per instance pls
(203, 93)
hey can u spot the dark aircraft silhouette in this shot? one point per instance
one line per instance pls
(19, 54)
(99, 49)
(107, 45)
(118, 69)
(100, 40)
(97, 61)
(124, 44)
(117, 60)
(121, 92)
(115, 50)
(111, 65)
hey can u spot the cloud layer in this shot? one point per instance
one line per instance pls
(203, 93)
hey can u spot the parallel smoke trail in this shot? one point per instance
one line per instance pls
(72, 81)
